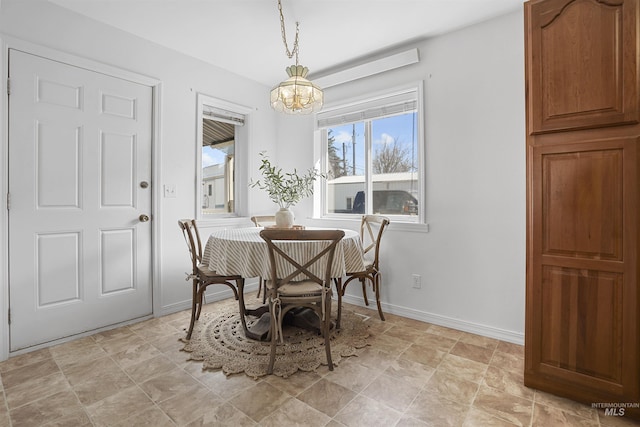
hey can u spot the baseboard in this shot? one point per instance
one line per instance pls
(437, 319)
(220, 293)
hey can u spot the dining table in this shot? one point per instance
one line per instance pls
(241, 251)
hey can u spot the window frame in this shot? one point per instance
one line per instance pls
(241, 150)
(321, 138)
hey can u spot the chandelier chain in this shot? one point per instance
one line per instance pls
(295, 49)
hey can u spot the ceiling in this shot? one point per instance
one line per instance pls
(243, 36)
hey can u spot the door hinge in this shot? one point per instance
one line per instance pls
(9, 316)
(8, 86)
(8, 201)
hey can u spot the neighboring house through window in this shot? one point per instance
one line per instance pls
(374, 153)
(222, 140)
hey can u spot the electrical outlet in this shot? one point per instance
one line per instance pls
(417, 281)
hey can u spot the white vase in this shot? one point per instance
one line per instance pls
(284, 218)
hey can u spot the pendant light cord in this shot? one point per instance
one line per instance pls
(295, 49)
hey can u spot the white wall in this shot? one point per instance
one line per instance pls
(472, 260)
(181, 78)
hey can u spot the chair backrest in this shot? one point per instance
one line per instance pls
(370, 237)
(323, 255)
(192, 238)
(263, 220)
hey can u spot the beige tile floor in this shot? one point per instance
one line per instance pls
(413, 374)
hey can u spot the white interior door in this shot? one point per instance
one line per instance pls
(79, 158)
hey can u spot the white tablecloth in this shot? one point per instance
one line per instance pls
(242, 251)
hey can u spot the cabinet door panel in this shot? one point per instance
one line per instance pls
(586, 339)
(582, 204)
(582, 291)
(581, 64)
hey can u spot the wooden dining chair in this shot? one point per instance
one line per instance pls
(371, 229)
(200, 273)
(288, 291)
(263, 221)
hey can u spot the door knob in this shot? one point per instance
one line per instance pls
(143, 218)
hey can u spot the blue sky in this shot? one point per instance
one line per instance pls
(211, 156)
(401, 128)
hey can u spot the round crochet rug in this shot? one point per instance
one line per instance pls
(218, 341)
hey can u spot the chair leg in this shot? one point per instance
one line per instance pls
(327, 332)
(242, 307)
(200, 292)
(338, 282)
(264, 290)
(193, 309)
(274, 340)
(376, 285)
(364, 290)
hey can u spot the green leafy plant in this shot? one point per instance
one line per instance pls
(285, 189)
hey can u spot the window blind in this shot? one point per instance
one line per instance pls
(221, 115)
(372, 109)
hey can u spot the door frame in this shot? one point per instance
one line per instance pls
(6, 43)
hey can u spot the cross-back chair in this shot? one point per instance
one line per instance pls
(371, 229)
(201, 275)
(287, 290)
(263, 221)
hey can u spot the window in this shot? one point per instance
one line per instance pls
(222, 141)
(374, 157)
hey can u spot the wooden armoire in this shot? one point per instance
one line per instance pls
(582, 333)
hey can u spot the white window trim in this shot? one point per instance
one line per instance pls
(242, 156)
(320, 154)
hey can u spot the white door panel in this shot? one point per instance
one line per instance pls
(79, 147)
